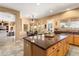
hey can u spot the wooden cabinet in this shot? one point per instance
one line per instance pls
(66, 46)
(73, 39)
(63, 47)
(52, 51)
(60, 49)
(70, 39)
(37, 51)
(76, 39)
(27, 48)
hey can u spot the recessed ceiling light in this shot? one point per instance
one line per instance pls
(51, 11)
(67, 9)
(37, 4)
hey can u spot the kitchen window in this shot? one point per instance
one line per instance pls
(70, 24)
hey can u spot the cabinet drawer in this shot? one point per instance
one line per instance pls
(60, 44)
(54, 53)
(52, 49)
(60, 50)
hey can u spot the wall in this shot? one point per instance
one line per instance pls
(17, 21)
(55, 19)
(70, 14)
(27, 22)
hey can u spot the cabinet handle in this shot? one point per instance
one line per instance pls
(53, 48)
(57, 50)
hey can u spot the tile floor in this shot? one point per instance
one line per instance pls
(73, 51)
(10, 47)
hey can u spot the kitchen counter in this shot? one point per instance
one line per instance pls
(45, 42)
(67, 31)
(46, 46)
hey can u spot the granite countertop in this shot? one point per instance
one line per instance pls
(69, 32)
(66, 30)
(45, 42)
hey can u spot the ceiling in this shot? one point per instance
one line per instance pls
(40, 9)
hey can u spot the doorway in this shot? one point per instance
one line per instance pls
(9, 31)
(7, 25)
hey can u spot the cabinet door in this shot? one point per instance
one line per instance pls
(27, 48)
(66, 46)
(70, 39)
(52, 51)
(76, 39)
(60, 50)
(37, 51)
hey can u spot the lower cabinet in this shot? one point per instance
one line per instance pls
(66, 46)
(37, 51)
(63, 47)
(52, 51)
(27, 48)
(76, 39)
(60, 49)
(70, 39)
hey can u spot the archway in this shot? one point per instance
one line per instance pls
(17, 20)
(11, 48)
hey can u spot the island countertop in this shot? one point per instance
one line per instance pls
(45, 42)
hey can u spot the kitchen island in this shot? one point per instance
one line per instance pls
(46, 46)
